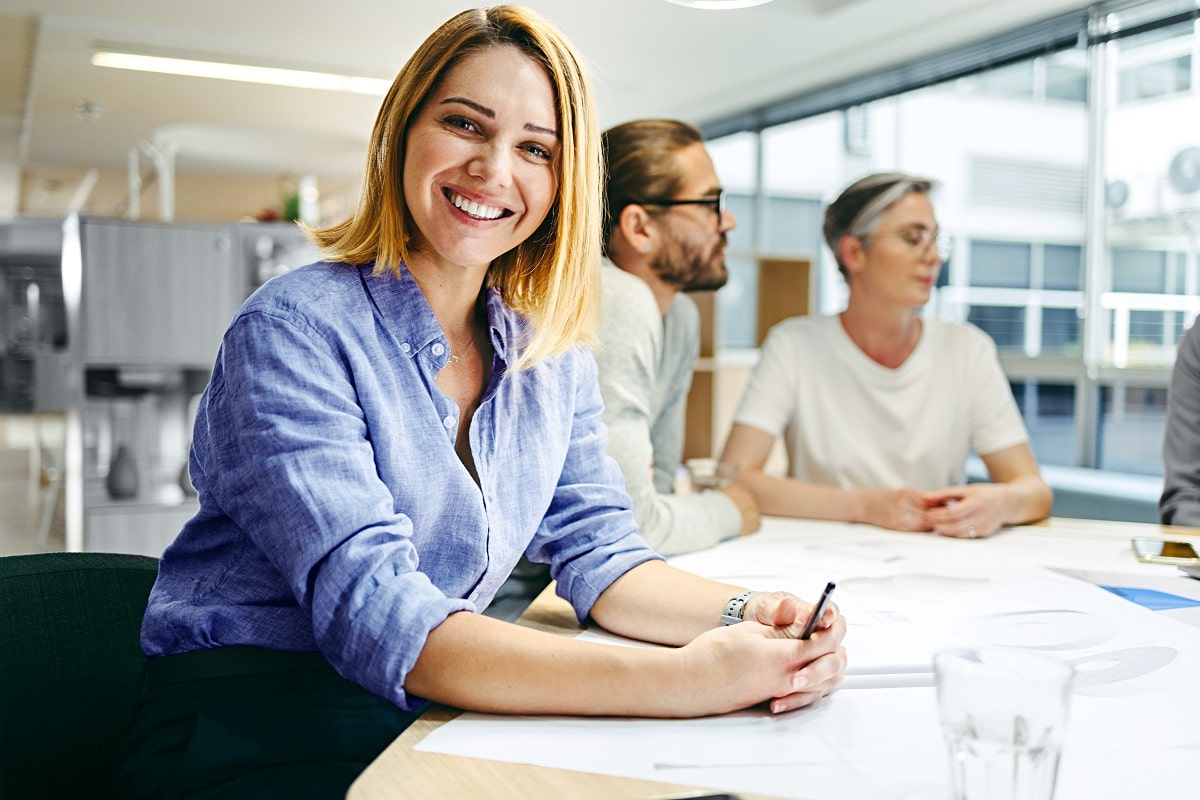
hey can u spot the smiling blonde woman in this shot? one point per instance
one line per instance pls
(387, 432)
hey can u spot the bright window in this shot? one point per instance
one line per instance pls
(1078, 288)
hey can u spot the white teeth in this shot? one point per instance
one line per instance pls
(478, 210)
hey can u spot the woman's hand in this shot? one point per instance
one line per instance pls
(787, 612)
(972, 511)
(896, 509)
(762, 659)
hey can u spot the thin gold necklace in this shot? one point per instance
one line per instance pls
(453, 359)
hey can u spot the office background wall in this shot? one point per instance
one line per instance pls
(1065, 152)
(1069, 158)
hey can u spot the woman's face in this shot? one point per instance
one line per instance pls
(482, 159)
(901, 259)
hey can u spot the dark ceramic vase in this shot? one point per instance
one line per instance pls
(122, 480)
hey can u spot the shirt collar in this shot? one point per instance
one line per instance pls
(406, 313)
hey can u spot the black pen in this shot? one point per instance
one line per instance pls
(817, 611)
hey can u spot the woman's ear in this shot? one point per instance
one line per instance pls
(851, 253)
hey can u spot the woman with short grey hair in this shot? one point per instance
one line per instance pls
(879, 406)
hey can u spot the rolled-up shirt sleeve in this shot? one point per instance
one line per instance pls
(588, 534)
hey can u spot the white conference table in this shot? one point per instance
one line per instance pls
(1096, 552)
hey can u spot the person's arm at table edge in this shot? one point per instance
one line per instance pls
(1016, 493)
(627, 367)
(479, 663)
(1028, 497)
(749, 448)
(672, 523)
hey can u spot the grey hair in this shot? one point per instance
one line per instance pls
(857, 210)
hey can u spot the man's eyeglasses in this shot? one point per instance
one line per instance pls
(718, 203)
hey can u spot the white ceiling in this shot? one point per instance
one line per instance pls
(648, 58)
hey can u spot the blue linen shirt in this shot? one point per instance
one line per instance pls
(335, 514)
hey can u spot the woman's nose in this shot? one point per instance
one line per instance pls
(492, 164)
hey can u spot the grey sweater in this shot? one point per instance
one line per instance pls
(646, 362)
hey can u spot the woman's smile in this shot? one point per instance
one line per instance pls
(473, 208)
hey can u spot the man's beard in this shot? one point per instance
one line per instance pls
(690, 269)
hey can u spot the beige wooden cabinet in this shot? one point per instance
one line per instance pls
(785, 289)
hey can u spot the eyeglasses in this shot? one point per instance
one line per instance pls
(718, 203)
(922, 239)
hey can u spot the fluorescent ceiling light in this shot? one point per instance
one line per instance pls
(719, 5)
(274, 76)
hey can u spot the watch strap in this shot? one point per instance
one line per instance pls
(735, 608)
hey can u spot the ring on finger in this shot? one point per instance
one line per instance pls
(905, 517)
(971, 532)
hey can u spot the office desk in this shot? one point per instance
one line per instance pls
(402, 772)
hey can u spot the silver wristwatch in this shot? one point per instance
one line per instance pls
(735, 608)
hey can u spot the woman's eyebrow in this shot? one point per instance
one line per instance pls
(529, 126)
(490, 114)
(482, 109)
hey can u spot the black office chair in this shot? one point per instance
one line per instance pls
(70, 668)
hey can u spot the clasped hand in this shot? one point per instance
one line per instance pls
(972, 511)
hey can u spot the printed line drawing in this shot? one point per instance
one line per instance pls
(1049, 629)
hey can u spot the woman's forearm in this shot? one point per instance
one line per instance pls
(788, 497)
(655, 602)
(1027, 495)
(482, 664)
(1029, 499)
(479, 663)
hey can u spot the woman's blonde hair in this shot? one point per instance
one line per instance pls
(553, 276)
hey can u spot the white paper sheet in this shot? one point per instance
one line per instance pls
(1136, 701)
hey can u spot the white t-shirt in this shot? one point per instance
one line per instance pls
(848, 421)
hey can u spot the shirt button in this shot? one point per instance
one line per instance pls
(448, 422)
(437, 348)
(405, 347)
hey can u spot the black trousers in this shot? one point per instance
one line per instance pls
(247, 722)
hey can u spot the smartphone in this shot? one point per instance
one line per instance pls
(1163, 551)
(817, 611)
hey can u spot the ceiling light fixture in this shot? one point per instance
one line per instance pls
(273, 76)
(718, 5)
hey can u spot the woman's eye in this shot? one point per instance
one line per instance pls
(462, 123)
(538, 152)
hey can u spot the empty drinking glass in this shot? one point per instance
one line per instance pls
(1004, 714)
